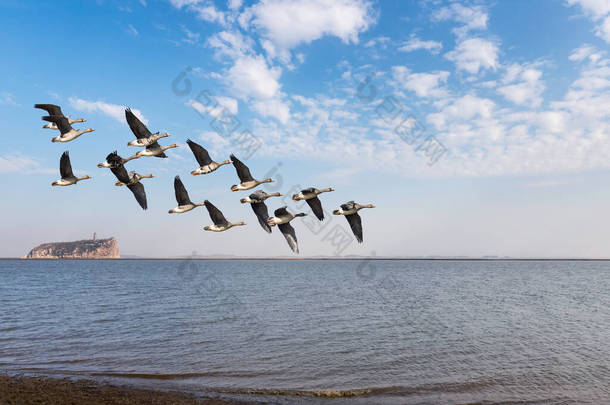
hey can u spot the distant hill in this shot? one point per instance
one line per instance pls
(81, 249)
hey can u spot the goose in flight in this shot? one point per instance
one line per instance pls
(282, 219)
(67, 132)
(131, 179)
(257, 202)
(53, 109)
(246, 180)
(112, 161)
(220, 222)
(206, 164)
(350, 210)
(154, 149)
(65, 170)
(143, 136)
(311, 196)
(182, 197)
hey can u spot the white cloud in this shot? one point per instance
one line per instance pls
(191, 37)
(273, 107)
(596, 8)
(423, 84)
(217, 108)
(474, 54)
(112, 110)
(522, 85)
(377, 41)
(287, 24)
(599, 11)
(204, 9)
(472, 18)
(16, 162)
(231, 44)
(234, 4)
(585, 51)
(414, 44)
(250, 76)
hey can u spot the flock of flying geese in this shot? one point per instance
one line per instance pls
(149, 141)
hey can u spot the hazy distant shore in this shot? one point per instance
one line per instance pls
(327, 258)
(21, 390)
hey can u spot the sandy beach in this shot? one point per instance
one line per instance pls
(20, 390)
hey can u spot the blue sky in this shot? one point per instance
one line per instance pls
(506, 104)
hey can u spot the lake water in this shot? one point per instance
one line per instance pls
(315, 331)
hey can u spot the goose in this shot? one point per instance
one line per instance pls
(67, 132)
(143, 136)
(53, 109)
(154, 149)
(182, 197)
(65, 170)
(206, 164)
(311, 196)
(246, 179)
(112, 161)
(134, 178)
(131, 179)
(350, 210)
(220, 222)
(282, 219)
(257, 202)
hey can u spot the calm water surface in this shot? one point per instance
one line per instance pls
(331, 332)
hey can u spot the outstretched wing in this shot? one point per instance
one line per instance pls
(121, 173)
(288, 232)
(62, 122)
(280, 212)
(242, 170)
(260, 209)
(136, 126)
(316, 206)
(355, 222)
(52, 109)
(215, 214)
(65, 168)
(182, 196)
(202, 155)
(139, 193)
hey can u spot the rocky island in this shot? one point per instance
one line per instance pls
(81, 249)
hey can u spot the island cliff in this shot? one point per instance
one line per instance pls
(81, 249)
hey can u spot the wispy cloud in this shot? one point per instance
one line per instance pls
(131, 30)
(115, 111)
(414, 44)
(8, 98)
(19, 163)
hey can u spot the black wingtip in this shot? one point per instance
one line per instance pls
(232, 157)
(177, 178)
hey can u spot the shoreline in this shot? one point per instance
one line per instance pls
(29, 390)
(364, 258)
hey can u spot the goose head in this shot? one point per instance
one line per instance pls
(245, 200)
(84, 131)
(56, 139)
(103, 165)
